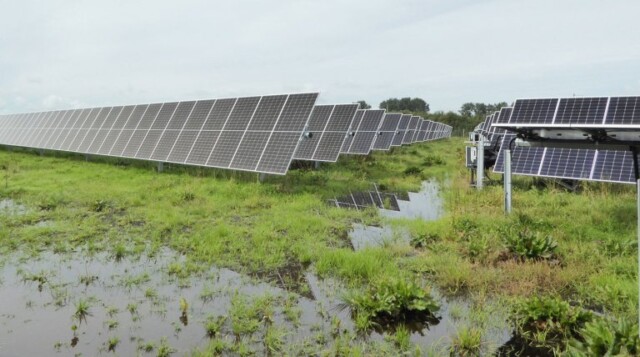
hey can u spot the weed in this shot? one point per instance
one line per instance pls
(393, 300)
(112, 343)
(603, 337)
(99, 205)
(213, 325)
(423, 240)
(165, 349)
(525, 245)
(412, 170)
(547, 320)
(112, 324)
(274, 339)
(402, 338)
(467, 342)
(151, 294)
(82, 310)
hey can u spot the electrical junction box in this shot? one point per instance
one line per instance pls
(471, 157)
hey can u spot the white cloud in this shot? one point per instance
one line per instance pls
(61, 54)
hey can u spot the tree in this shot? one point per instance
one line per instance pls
(363, 104)
(416, 105)
(480, 109)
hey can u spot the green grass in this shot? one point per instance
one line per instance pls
(231, 220)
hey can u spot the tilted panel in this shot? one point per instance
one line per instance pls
(336, 133)
(387, 131)
(317, 122)
(533, 111)
(623, 111)
(581, 111)
(402, 127)
(567, 163)
(613, 166)
(366, 132)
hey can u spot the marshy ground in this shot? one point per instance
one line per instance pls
(108, 256)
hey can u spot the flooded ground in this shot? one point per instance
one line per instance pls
(80, 304)
(96, 304)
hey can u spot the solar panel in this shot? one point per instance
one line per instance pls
(526, 111)
(387, 131)
(366, 132)
(411, 130)
(402, 127)
(422, 133)
(580, 110)
(258, 134)
(329, 126)
(623, 111)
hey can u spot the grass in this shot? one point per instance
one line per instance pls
(577, 247)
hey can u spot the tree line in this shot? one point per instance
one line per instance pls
(469, 115)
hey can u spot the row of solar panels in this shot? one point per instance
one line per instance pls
(565, 163)
(259, 134)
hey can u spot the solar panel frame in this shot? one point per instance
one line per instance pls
(366, 131)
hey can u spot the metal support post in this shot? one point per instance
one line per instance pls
(507, 181)
(160, 166)
(262, 176)
(638, 229)
(316, 165)
(480, 163)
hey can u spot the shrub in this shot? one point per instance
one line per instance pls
(606, 338)
(392, 301)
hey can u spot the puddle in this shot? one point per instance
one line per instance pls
(427, 204)
(10, 207)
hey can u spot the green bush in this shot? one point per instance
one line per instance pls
(606, 338)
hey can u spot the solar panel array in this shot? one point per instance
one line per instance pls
(257, 134)
(568, 163)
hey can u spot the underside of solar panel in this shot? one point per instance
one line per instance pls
(597, 115)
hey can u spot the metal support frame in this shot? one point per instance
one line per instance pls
(316, 165)
(480, 163)
(160, 166)
(507, 181)
(262, 176)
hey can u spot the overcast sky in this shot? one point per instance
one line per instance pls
(70, 54)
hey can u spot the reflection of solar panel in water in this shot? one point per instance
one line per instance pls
(258, 134)
(402, 128)
(387, 131)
